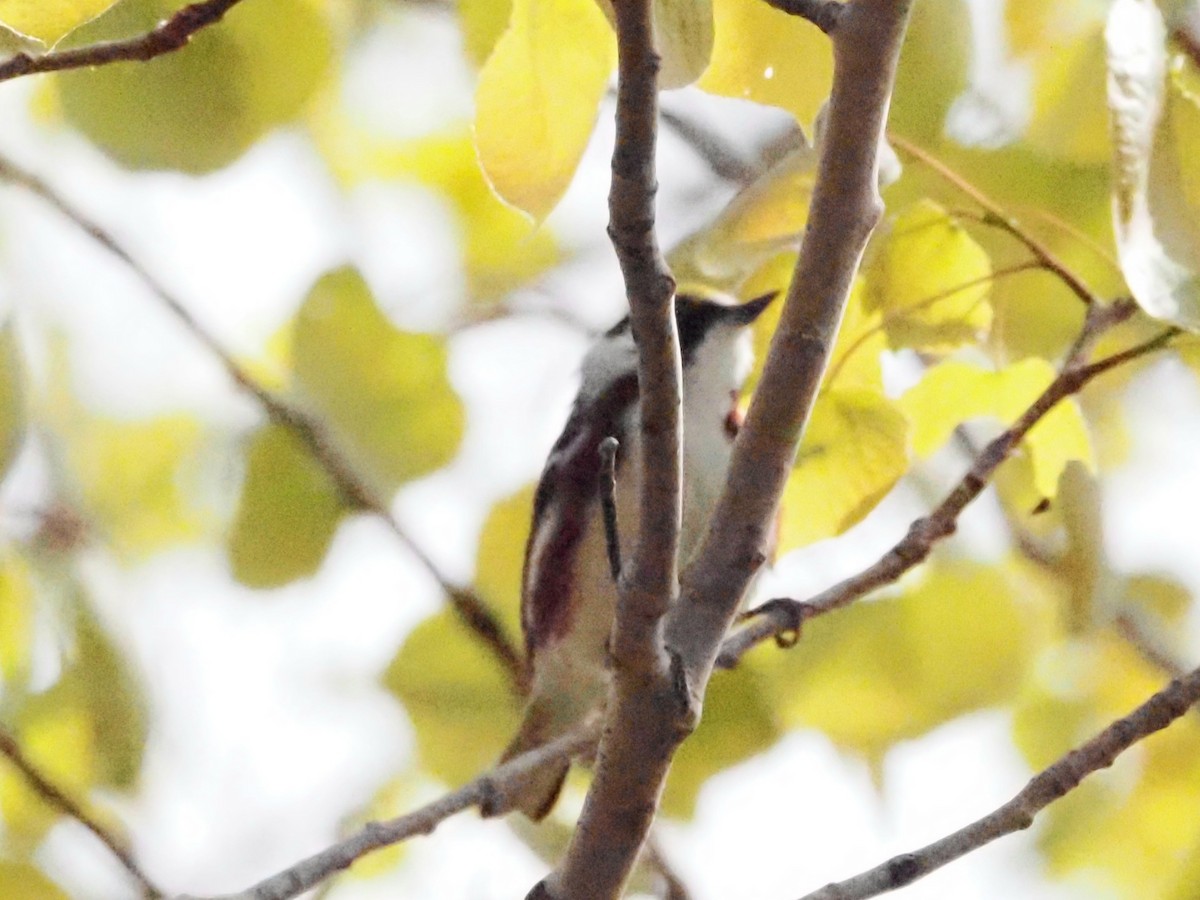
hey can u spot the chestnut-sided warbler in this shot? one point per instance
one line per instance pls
(568, 593)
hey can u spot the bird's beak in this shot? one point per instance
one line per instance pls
(747, 312)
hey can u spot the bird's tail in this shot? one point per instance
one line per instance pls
(536, 795)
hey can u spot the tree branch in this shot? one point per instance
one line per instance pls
(822, 13)
(58, 799)
(845, 209)
(1051, 784)
(648, 720)
(488, 789)
(646, 704)
(782, 617)
(166, 37)
(996, 217)
(316, 437)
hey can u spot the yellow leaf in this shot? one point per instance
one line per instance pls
(87, 730)
(683, 37)
(767, 56)
(136, 479)
(855, 449)
(56, 735)
(930, 279)
(1034, 26)
(49, 21)
(287, 514)
(537, 99)
(1070, 118)
(460, 702)
(954, 392)
(501, 249)
(16, 621)
(892, 669)
(738, 722)
(766, 218)
(22, 881)
(384, 392)
(201, 107)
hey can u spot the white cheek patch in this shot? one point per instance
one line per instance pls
(607, 361)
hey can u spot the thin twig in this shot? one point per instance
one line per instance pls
(822, 13)
(608, 503)
(1051, 784)
(169, 35)
(724, 161)
(57, 798)
(673, 886)
(780, 617)
(488, 789)
(355, 490)
(996, 217)
(1150, 646)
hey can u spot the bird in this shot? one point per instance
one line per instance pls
(568, 590)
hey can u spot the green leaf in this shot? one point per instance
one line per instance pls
(288, 512)
(1156, 188)
(201, 107)
(854, 450)
(537, 99)
(737, 723)
(385, 392)
(933, 70)
(954, 392)
(49, 21)
(683, 37)
(879, 672)
(461, 704)
(88, 730)
(930, 279)
(22, 881)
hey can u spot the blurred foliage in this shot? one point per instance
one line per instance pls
(1100, 169)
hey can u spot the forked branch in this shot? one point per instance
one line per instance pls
(169, 35)
(781, 617)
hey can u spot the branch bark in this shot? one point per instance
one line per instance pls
(487, 789)
(169, 35)
(1018, 813)
(645, 700)
(657, 694)
(472, 609)
(781, 619)
(56, 797)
